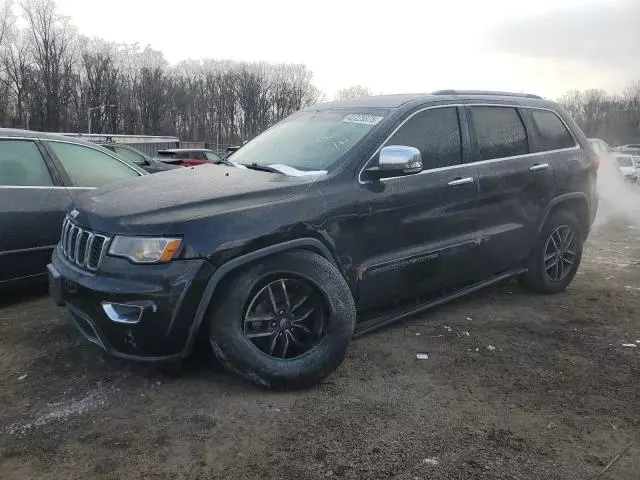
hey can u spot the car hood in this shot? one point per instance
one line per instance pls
(154, 203)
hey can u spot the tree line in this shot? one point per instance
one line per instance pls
(52, 79)
(612, 118)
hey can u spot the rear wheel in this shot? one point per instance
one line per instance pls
(285, 322)
(556, 255)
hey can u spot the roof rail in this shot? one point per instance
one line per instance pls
(485, 92)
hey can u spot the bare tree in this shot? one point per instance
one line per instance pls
(613, 118)
(51, 47)
(7, 23)
(50, 77)
(353, 91)
(18, 72)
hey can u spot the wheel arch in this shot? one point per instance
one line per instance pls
(574, 202)
(310, 244)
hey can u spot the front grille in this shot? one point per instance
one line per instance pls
(83, 247)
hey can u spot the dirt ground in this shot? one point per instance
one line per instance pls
(516, 386)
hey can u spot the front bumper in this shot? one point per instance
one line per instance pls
(166, 295)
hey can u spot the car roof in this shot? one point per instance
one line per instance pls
(399, 100)
(18, 133)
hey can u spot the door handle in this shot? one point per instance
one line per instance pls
(460, 181)
(538, 166)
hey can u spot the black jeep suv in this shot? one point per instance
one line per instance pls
(338, 220)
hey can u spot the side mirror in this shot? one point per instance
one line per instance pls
(396, 161)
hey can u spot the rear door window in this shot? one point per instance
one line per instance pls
(22, 164)
(89, 167)
(500, 132)
(550, 133)
(436, 133)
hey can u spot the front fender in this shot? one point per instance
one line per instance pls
(231, 265)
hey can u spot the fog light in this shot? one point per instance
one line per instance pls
(122, 313)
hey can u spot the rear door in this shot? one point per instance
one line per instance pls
(418, 231)
(33, 202)
(516, 185)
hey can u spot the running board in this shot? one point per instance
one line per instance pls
(375, 323)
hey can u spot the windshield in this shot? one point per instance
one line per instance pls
(310, 140)
(131, 155)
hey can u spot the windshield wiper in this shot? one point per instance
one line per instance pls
(261, 168)
(224, 161)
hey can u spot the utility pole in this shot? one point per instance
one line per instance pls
(89, 110)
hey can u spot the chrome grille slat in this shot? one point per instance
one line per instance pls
(87, 249)
(80, 246)
(76, 250)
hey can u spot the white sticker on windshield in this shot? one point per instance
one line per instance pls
(362, 119)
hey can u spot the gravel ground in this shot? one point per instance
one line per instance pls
(516, 386)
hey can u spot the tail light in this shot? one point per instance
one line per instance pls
(596, 161)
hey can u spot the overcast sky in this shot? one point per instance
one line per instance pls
(542, 46)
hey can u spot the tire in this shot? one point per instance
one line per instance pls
(547, 280)
(330, 325)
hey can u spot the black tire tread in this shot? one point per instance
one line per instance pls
(534, 278)
(239, 356)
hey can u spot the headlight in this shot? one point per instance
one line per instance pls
(145, 250)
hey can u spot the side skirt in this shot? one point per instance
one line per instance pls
(393, 316)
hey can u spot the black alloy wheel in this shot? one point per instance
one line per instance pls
(560, 253)
(285, 318)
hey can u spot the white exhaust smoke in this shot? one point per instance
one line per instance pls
(619, 197)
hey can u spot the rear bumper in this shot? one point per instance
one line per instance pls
(165, 299)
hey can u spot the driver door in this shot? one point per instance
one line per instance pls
(419, 235)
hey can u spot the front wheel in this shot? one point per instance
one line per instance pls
(285, 322)
(556, 255)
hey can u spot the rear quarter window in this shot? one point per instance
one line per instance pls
(549, 132)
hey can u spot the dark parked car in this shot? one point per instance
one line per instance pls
(188, 157)
(344, 217)
(41, 175)
(138, 158)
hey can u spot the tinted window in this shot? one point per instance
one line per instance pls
(500, 132)
(550, 133)
(130, 155)
(88, 167)
(167, 155)
(436, 133)
(21, 164)
(196, 155)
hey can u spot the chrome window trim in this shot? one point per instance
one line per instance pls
(50, 187)
(576, 146)
(5, 137)
(108, 153)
